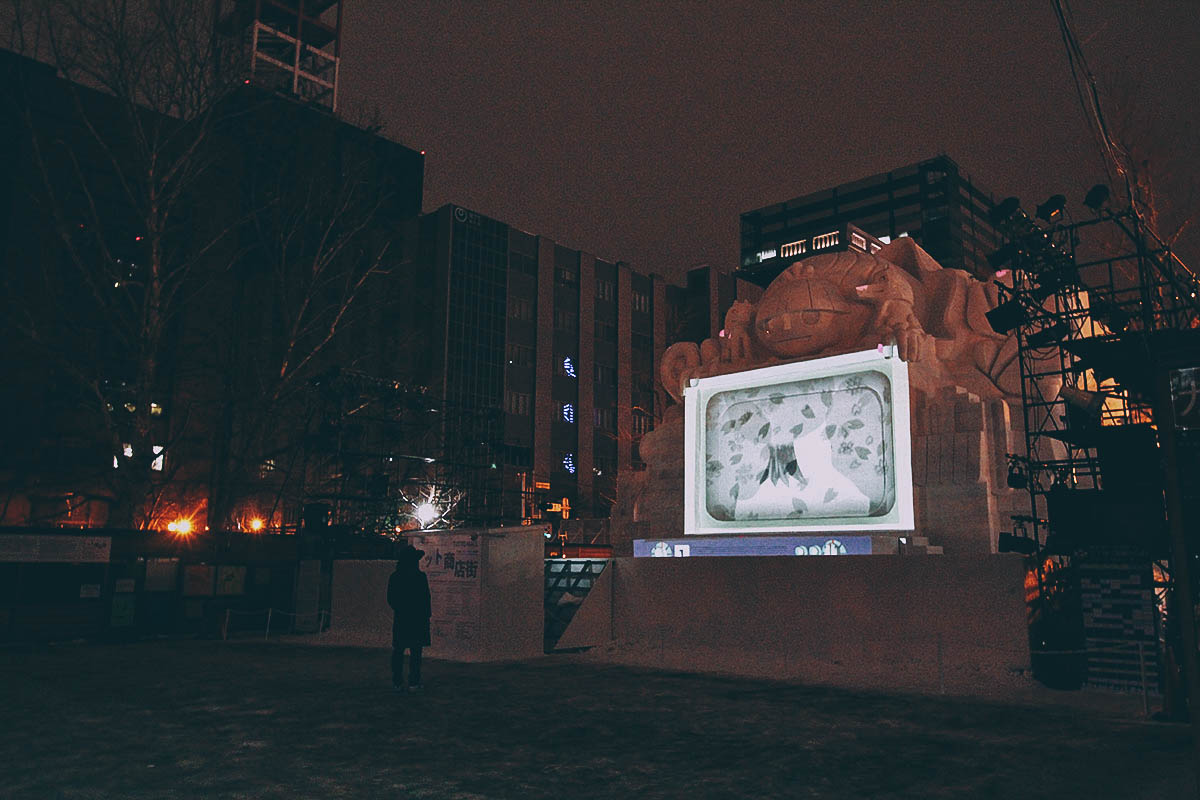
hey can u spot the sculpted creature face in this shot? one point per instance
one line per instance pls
(805, 315)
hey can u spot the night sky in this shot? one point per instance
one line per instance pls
(641, 131)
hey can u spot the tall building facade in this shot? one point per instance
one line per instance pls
(547, 355)
(932, 201)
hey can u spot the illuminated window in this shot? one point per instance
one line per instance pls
(157, 463)
(769, 253)
(641, 423)
(266, 468)
(606, 419)
(568, 462)
(605, 290)
(825, 240)
(567, 367)
(875, 248)
(127, 450)
(858, 242)
(794, 248)
(568, 412)
(155, 410)
(517, 403)
(641, 302)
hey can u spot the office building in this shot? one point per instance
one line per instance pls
(552, 350)
(931, 201)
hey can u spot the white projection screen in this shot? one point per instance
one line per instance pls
(814, 446)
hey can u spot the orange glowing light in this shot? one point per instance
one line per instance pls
(180, 527)
(256, 524)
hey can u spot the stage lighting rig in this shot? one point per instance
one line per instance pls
(1096, 197)
(1052, 209)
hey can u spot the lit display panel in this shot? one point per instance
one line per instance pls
(820, 445)
(707, 546)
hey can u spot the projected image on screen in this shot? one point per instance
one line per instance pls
(817, 445)
(809, 448)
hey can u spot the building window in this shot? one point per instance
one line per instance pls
(568, 462)
(766, 255)
(564, 276)
(266, 468)
(858, 242)
(566, 367)
(641, 302)
(518, 456)
(605, 374)
(875, 248)
(606, 419)
(158, 462)
(520, 308)
(606, 331)
(520, 355)
(566, 321)
(641, 423)
(825, 240)
(605, 290)
(155, 410)
(794, 248)
(517, 403)
(605, 466)
(523, 264)
(567, 410)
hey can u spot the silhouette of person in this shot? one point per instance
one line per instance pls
(408, 595)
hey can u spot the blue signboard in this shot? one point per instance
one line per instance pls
(825, 545)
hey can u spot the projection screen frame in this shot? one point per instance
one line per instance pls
(884, 359)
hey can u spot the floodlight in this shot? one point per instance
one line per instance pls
(1004, 210)
(1052, 208)
(1096, 197)
(1011, 543)
(1006, 253)
(1091, 402)
(1006, 317)
(426, 513)
(1017, 477)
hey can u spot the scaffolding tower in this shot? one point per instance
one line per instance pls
(289, 46)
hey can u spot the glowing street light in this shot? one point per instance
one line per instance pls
(426, 513)
(180, 527)
(256, 524)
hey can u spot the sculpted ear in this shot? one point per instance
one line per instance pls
(678, 364)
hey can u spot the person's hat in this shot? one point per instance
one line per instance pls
(409, 553)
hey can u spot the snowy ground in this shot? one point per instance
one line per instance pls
(177, 719)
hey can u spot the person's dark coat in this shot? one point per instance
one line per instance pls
(408, 595)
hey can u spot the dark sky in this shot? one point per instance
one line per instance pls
(641, 131)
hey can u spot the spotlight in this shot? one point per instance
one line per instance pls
(1051, 334)
(1011, 543)
(1096, 197)
(1090, 402)
(1052, 208)
(1006, 317)
(1004, 210)
(1002, 256)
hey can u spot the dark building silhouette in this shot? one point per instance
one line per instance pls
(931, 201)
(282, 184)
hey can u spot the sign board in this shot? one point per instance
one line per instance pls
(451, 563)
(198, 580)
(34, 549)
(161, 574)
(231, 580)
(123, 607)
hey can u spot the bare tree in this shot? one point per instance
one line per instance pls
(208, 259)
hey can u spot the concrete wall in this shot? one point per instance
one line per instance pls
(497, 612)
(878, 621)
